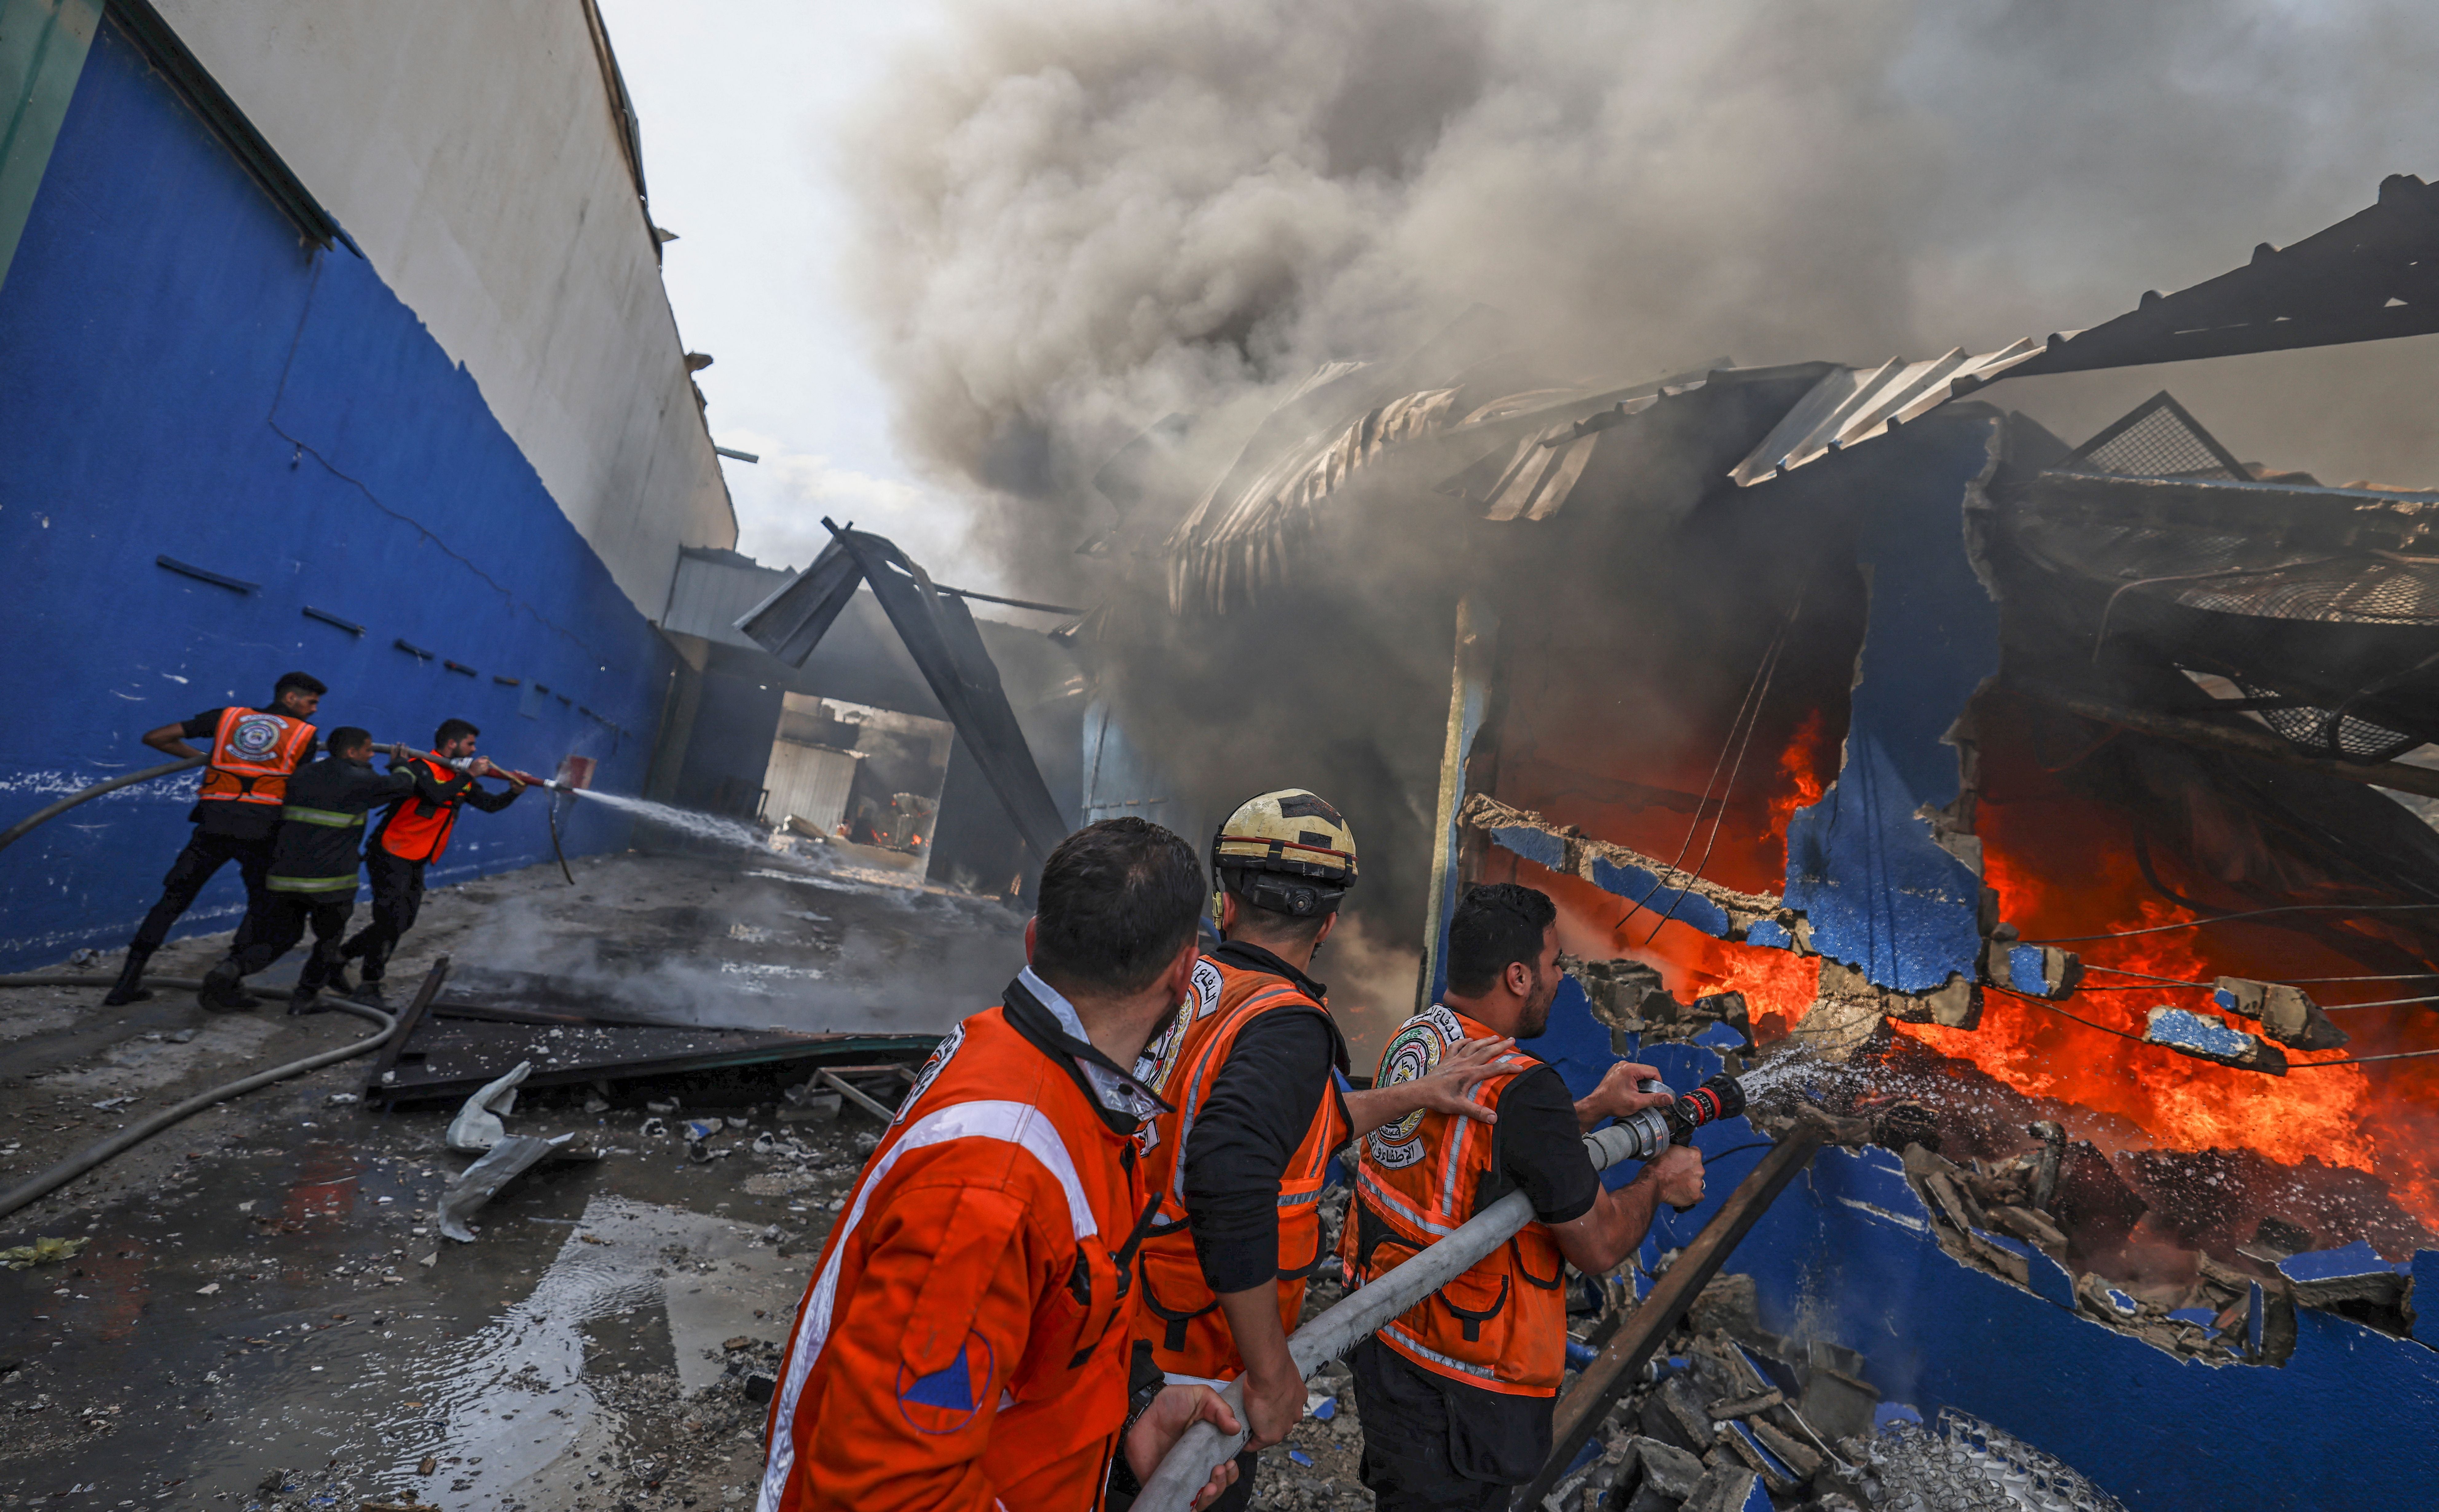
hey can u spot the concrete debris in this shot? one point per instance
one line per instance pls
(2206, 1038)
(1705, 905)
(477, 1125)
(1845, 990)
(2285, 1014)
(1971, 1466)
(2037, 970)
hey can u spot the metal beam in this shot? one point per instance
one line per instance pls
(1620, 1364)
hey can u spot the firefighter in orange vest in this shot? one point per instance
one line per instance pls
(411, 836)
(1456, 1394)
(966, 1340)
(237, 810)
(1254, 1068)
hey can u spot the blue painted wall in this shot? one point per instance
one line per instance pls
(1878, 891)
(185, 379)
(1847, 1254)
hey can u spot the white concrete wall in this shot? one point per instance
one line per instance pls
(472, 150)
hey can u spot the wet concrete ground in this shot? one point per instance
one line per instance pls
(262, 1315)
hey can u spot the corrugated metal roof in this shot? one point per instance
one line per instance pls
(1852, 404)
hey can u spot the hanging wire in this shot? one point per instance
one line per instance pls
(2229, 919)
(1746, 705)
(1749, 716)
(2063, 1014)
(2384, 1002)
(2358, 1060)
(2119, 971)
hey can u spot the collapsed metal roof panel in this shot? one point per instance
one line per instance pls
(2371, 276)
(1851, 405)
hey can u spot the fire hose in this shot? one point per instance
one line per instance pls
(134, 1135)
(45, 815)
(1203, 1447)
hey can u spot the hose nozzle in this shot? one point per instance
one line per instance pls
(1656, 1128)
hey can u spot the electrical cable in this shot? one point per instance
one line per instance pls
(2384, 1002)
(2357, 1060)
(2063, 1014)
(1748, 718)
(2227, 919)
(75, 1166)
(1694, 825)
(1720, 817)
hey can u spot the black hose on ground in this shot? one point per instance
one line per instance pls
(134, 1135)
(552, 810)
(26, 826)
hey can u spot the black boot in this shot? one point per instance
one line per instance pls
(221, 990)
(130, 986)
(305, 999)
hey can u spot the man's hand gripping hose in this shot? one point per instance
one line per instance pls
(1188, 1467)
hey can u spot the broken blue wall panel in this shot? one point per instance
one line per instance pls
(2357, 1258)
(1541, 847)
(2424, 1295)
(1861, 866)
(213, 392)
(1690, 909)
(1847, 1254)
(1771, 934)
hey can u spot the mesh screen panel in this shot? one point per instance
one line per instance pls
(2158, 439)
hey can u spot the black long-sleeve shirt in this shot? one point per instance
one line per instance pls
(1261, 1102)
(323, 823)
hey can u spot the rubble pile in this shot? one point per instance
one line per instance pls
(1730, 1417)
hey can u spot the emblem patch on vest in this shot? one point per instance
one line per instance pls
(1413, 1052)
(931, 1071)
(255, 737)
(1158, 1061)
(1207, 986)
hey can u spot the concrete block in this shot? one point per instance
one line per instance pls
(1665, 1470)
(2352, 1273)
(1729, 1489)
(2042, 971)
(2285, 1014)
(2206, 1038)
(1745, 1443)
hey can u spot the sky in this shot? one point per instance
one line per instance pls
(740, 102)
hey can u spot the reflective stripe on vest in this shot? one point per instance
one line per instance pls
(329, 817)
(1501, 1325)
(252, 756)
(418, 830)
(310, 884)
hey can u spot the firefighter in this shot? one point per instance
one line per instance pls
(1256, 1068)
(313, 859)
(966, 1342)
(1456, 1394)
(237, 808)
(411, 836)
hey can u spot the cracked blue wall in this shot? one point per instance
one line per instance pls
(185, 379)
(1880, 894)
(1847, 1254)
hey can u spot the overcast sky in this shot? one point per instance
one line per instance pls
(740, 100)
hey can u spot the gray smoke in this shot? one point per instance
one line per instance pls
(1083, 215)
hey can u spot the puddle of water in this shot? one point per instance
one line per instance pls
(488, 1362)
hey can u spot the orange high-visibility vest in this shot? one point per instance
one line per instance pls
(1502, 1325)
(416, 831)
(913, 1377)
(1181, 1315)
(252, 754)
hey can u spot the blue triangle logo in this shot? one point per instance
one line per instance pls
(951, 1390)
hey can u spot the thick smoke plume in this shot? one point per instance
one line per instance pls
(1083, 215)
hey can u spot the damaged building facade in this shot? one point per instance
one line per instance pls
(2045, 809)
